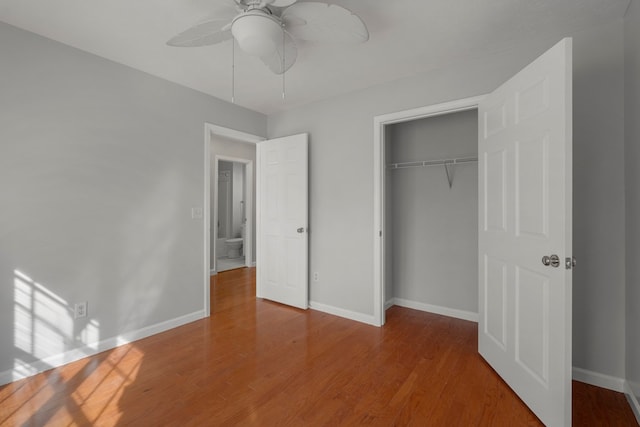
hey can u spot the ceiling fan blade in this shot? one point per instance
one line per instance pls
(315, 21)
(204, 34)
(281, 3)
(275, 60)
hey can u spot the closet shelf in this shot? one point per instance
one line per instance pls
(441, 162)
(447, 163)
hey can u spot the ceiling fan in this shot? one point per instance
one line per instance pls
(268, 29)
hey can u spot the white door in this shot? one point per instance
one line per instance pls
(282, 237)
(525, 194)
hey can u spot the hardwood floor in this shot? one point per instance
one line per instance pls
(255, 362)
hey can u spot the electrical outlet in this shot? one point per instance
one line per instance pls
(316, 276)
(80, 310)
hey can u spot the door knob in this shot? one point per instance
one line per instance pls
(300, 230)
(553, 260)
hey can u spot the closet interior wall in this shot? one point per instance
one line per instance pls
(432, 239)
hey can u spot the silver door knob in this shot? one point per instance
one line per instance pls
(300, 230)
(553, 260)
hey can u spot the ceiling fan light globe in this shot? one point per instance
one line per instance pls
(257, 34)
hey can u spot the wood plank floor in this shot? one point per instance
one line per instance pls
(254, 362)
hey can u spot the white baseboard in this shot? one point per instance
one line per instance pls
(599, 380)
(340, 312)
(388, 304)
(253, 264)
(58, 360)
(436, 309)
(633, 401)
(609, 382)
(212, 272)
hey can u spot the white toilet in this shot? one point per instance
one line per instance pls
(234, 247)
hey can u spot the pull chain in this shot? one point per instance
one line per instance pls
(233, 71)
(283, 70)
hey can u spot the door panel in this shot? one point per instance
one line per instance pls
(495, 190)
(282, 237)
(525, 147)
(495, 321)
(532, 187)
(532, 323)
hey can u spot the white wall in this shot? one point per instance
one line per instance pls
(341, 182)
(100, 166)
(632, 169)
(231, 148)
(434, 227)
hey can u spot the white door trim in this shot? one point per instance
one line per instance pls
(211, 130)
(248, 205)
(379, 173)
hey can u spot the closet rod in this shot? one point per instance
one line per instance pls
(455, 161)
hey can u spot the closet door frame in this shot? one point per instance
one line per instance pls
(379, 175)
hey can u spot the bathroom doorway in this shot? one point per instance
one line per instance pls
(232, 196)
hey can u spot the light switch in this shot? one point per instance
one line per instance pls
(196, 213)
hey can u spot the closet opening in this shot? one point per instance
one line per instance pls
(426, 251)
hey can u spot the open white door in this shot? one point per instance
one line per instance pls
(525, 196)
(282, 238)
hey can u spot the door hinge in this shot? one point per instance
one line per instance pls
(380, 233)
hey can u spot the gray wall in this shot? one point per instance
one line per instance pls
(242, 150)
(434, 227)
(341, 168)
(598, 201)
(341, 187)
(632, 169)
(100, 166)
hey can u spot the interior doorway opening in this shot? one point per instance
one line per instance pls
(231, 222)
(384, 165)
(212, 136)
(431, 214)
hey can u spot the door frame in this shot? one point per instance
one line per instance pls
(248, 207)
(210, 132)
(379, 176)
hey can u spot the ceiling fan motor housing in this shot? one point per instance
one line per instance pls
(257, 32)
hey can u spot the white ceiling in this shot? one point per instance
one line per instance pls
(408, 37)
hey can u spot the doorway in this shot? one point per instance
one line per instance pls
(231, 222)
(382, 249)
(431, 214)
(235, 143)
